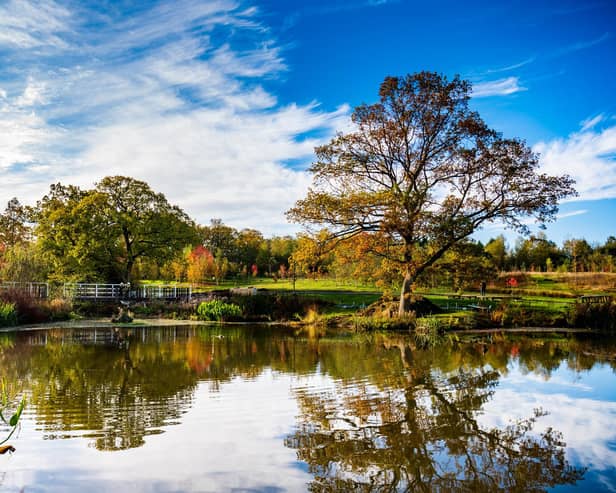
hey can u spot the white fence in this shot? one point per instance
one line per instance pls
(96, 291)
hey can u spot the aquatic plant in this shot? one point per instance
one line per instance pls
(218, 310)
(12, 422)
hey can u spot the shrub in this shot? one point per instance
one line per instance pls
(28, 308)
(598, 316)
(277, 307)
(8, 314)
(516, 315)
(59, 309)
(218, 310)
(94, 309)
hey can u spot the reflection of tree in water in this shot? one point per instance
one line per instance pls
(423, 433)
(119, 388)
(114, 392)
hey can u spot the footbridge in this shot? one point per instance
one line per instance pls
(126, 291)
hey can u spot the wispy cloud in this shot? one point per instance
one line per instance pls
(172, 93)
(41, 24)
(590, 123)
(499, 87)
(514, 66)
(332, 8)
(588, 155)
(579, 212)
(581, 45)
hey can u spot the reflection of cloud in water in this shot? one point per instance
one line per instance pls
(517, 378)
(587, 425)
(219, 445)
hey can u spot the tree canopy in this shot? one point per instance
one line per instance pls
(101, 233)
(422, 171)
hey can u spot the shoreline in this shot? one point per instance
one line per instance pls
(104, 323)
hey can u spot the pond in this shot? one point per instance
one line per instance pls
(253, 408)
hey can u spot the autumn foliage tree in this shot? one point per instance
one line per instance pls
(424, 171)
(200, 264)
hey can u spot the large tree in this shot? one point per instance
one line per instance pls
(424, 171)
(100, 234)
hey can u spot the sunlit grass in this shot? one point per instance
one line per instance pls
(325, 284)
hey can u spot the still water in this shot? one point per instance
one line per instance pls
(267, 409)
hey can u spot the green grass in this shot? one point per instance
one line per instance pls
(344, 297)
(306, 285)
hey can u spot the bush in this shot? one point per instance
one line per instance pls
(367, 323)
(29, 310)
(218, 310)
(515, 315)
(277, 307)
(8, 314)
(59, 309)
(597, 316)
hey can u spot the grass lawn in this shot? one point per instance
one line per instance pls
(308, 285)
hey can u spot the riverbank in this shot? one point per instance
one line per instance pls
(105, 323)
(431, 314)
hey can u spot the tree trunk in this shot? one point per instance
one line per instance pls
(129, 270)
(405, 294)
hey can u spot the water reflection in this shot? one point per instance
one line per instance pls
(372, 413)
(424, 435)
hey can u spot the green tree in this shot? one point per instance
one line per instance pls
(218, 237)
(579, 252)
(13, 224)
(62, 233)
(24, 262)
(609, 247)
(248, 243)
(102, 233)
(497, 249)
(533, 253)
(426, 172)
(147, 224)
(466, 264)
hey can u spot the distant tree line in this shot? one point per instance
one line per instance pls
(121, 230)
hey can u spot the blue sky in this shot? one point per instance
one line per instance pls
(219, 103)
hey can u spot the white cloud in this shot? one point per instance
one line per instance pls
(157, 96)
(33, 94)
(25, 24)
(586, 424)
(499, 87)
(588, 156)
